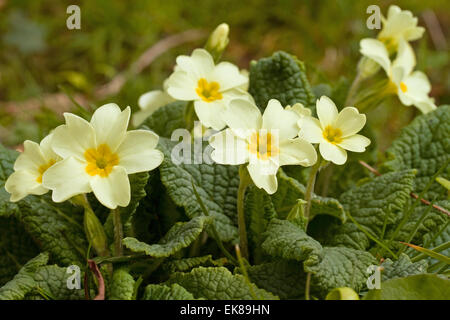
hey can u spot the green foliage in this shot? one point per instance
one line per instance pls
(403, 267)
(167, 119)
(122, 285)
(163, 292)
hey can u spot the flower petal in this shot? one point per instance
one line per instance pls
(150, 102)
(310, 129)
(137, 152)
(181, 86)
(113, 190)
(326, 111)
(242, 115)
(210, 114)
(355, 143)
(275, 117)
(297, 151)
(265, 181)
(375, 50)
(110, 125)
(66, 178)
(350, 121)
(228, 76)
(228, 148)
(406, 60)
(426, 105)
(46, 148)
(22, 183)
(73, 138)
(332, 153)
(31, 158)
(199, 64)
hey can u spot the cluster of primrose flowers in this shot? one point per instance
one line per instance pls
(80, 157)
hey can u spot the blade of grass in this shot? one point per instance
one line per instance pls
(434, 253)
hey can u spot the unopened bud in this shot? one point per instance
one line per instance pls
(218, 41)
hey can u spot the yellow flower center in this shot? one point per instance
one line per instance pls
(263, 145)
(100, 161)
(44, 168)
(208, 91)
(403, 87)
(332, 135)
(390, 43)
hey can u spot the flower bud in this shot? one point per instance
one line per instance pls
(218, 41)
(342, 294)
(95, 233)
(367, 67)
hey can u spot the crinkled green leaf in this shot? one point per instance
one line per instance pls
(423, 145)
(218, 284)
(180, 236)
(290, 190)
(402, 267)
(7, 158)
(340, 267)
(23, 282)
(184, 265)
(216, 185)
(286, 279)
(416, 287)
(167, 119)
(286, 240)
(163, 292)
(281, 77)
(122, 285)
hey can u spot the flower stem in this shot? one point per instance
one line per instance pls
(118, 232)
(244, 182)
(307, 285)
(310, 187)
(354, 86)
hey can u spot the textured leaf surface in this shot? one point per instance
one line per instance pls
(281, 77)
(7, 158)
(424, 145)
(184, 265)
(216, 185)
(287, 240)
(402, 267)
(218, 284)
(167, 119)
(163, 292)
(340, 267)
(180, 236)
(417, 287)
(122, 285)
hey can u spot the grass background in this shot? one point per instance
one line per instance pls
(40, 56)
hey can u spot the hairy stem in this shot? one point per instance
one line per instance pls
(118, 232)
(310, 187)
(244, 182)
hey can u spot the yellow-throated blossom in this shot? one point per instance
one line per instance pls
(335, 132)
(29, 168)
(211, 87)
(99, 155)
(412, 88)
(265, 141)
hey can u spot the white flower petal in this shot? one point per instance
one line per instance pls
(332, 153)
(326, 111)
(297, 151)
(242, 114)
(137, 152)
(350, 121)
(355, 143)
(199, 64)
(283, 121)
(73, 138)
(300, 109)
(150, 102)
(22, 183)
(110, 125)
(66, 178)
(113, 190)
(46, 148)
(405, 57)
(265, 181)
(228, 148)
(426, 105)
(210, 114)
(375, 50)
(228, 76)
(310, 129)
(31, 158)
(181, 86)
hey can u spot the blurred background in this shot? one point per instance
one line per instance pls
(125, 48)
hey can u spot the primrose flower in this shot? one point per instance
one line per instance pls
(149, 102)
(412, 88)
(335, 132)
(29, 168)
(265, 141)
(210, 86)
(99, 155)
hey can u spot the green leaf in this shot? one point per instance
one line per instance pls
(283, 278)
(23, 282)
(290, 190)
(340, 267)
(187, 264)
(122, 285)
(431, 253)
(417, 287)
(218, 284)
(423, 145)
(402, 267)
(180, 236)
(281, 77)
(163, 292)
(7, 158)
(286, 240)
(167, 119)
(216, 184)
